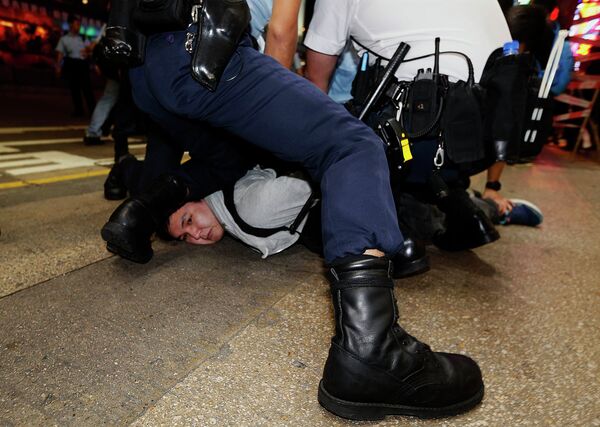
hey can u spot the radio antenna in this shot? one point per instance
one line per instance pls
(436, 60)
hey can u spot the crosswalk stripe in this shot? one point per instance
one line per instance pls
(4, 131)
(52, 141)
(4, 150)
(42, 161)
(41, 142)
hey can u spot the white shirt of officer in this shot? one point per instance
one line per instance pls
(474, 27)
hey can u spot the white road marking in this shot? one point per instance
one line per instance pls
(109, 161)
(8, 150)
(43, 161)
(52, 141)
(16, 163)
(4, 131)
(41, 142)
(20, 160)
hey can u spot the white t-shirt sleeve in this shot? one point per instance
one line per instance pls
(265, 201)
(60, 47)
(329, 28)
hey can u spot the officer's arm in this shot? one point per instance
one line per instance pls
(494, 173)
(320, 68)
(282, 33)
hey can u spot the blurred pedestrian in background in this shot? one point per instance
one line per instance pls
(72, 56)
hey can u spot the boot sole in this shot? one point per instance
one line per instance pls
(115, 194)
(417, 266)
(119, 241)
(378, 411)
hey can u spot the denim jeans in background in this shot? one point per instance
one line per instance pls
(341, 83)
(103, 107)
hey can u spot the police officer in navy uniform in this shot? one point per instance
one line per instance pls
(210, 76)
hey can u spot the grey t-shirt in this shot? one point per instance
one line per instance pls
(264, 200)
(71, 46)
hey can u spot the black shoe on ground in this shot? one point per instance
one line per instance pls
(129, 229)
(114, 187)
(105, 129)
(374, 367)
(92, 140)
(411, 260)
(467, 226)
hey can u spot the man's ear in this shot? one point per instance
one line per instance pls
(162, 231)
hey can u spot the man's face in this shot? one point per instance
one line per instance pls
(75, 26)
(195, 223)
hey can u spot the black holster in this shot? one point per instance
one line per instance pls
(221, 24)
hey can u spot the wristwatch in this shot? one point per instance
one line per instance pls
(493, 185)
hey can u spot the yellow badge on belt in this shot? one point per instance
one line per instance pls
(405, 148)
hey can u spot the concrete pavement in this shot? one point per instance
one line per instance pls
(217, 336)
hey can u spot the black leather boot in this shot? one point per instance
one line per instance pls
(114, 186)
(374, 367)
(467, 226)
(411, 260)
(130, 227)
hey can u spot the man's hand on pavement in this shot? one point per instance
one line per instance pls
(504, 205)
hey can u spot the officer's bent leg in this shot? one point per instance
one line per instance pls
(283, 113)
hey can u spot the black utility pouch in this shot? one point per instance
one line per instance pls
(156, 16)
(507, 83)
(363, 83)
(462, 123)
(423, 109)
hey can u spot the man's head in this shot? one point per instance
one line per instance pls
(74, 24)
(549, 5)
(195, 223)
(528, 25)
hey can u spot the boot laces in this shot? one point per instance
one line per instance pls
(404, 337)
(407, 340)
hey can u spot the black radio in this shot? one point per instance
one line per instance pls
(424, 101)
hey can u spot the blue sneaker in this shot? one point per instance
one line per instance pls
(523, 213)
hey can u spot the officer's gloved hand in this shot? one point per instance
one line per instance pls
(124, 46)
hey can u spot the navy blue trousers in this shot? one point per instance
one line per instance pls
(211, 168)
(261, 102)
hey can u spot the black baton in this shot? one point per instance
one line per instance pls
(388, 73)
